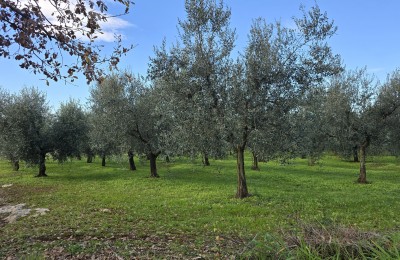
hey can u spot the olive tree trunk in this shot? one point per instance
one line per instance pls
(89, 158)
(153, 165)
(42, 165)
(363, 170)
(206, 161)
(132, 165)
(241, 177)
(103, 160)
(255, 162)
(15, 165)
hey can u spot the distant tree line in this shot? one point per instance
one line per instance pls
(287, 95)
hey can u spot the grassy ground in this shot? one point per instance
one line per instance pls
(190, 212)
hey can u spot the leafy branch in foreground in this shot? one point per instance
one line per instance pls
(39, 33)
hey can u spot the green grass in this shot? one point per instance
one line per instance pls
(191, 210)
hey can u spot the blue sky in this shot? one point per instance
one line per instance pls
(368, 35)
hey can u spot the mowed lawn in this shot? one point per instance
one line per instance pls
(190, 211)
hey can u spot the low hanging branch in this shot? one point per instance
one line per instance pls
(39, 39)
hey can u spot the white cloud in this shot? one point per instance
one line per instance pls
(114, 25)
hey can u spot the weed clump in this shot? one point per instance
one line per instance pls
(317, 241)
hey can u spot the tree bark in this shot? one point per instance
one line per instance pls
(132, 165)
(89, 158)
(42, 165)
(355, 153)
(153, 165)
(255, 162)
(103, 160)
(15, 165)
(206, 162)
(241, 177)
(89, 153)
(363, 170)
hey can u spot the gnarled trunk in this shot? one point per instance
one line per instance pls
(132, 165)
(255, 162)
(241, 177)
(103, 160)
(42, 165)
(363, 170)
(153, 165)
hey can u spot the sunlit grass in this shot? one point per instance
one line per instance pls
(192, 209)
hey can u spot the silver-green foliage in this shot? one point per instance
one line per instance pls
(388, 103)
(70, 130)
(282, 65)
(194, 74)
(146, 122)
(250, 101)
(32, 125)
(349, 110)
(127, 113)
(311, 133)
(107, 104)
(29, 131)
(9, 138)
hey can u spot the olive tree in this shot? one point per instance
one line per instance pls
(279, 66)
(30, 132)
(107, 104)
(311, 135)
(29, 128)
(147, 124)
(352, 115)
(194, 73)
(70, 130)
(388, 102)
(10, 145)
(348, 95)
(255, 94)
(127, 113)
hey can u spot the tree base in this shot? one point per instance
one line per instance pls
(242, 196)
(255, 168)
(41, 175)
(16, 166)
